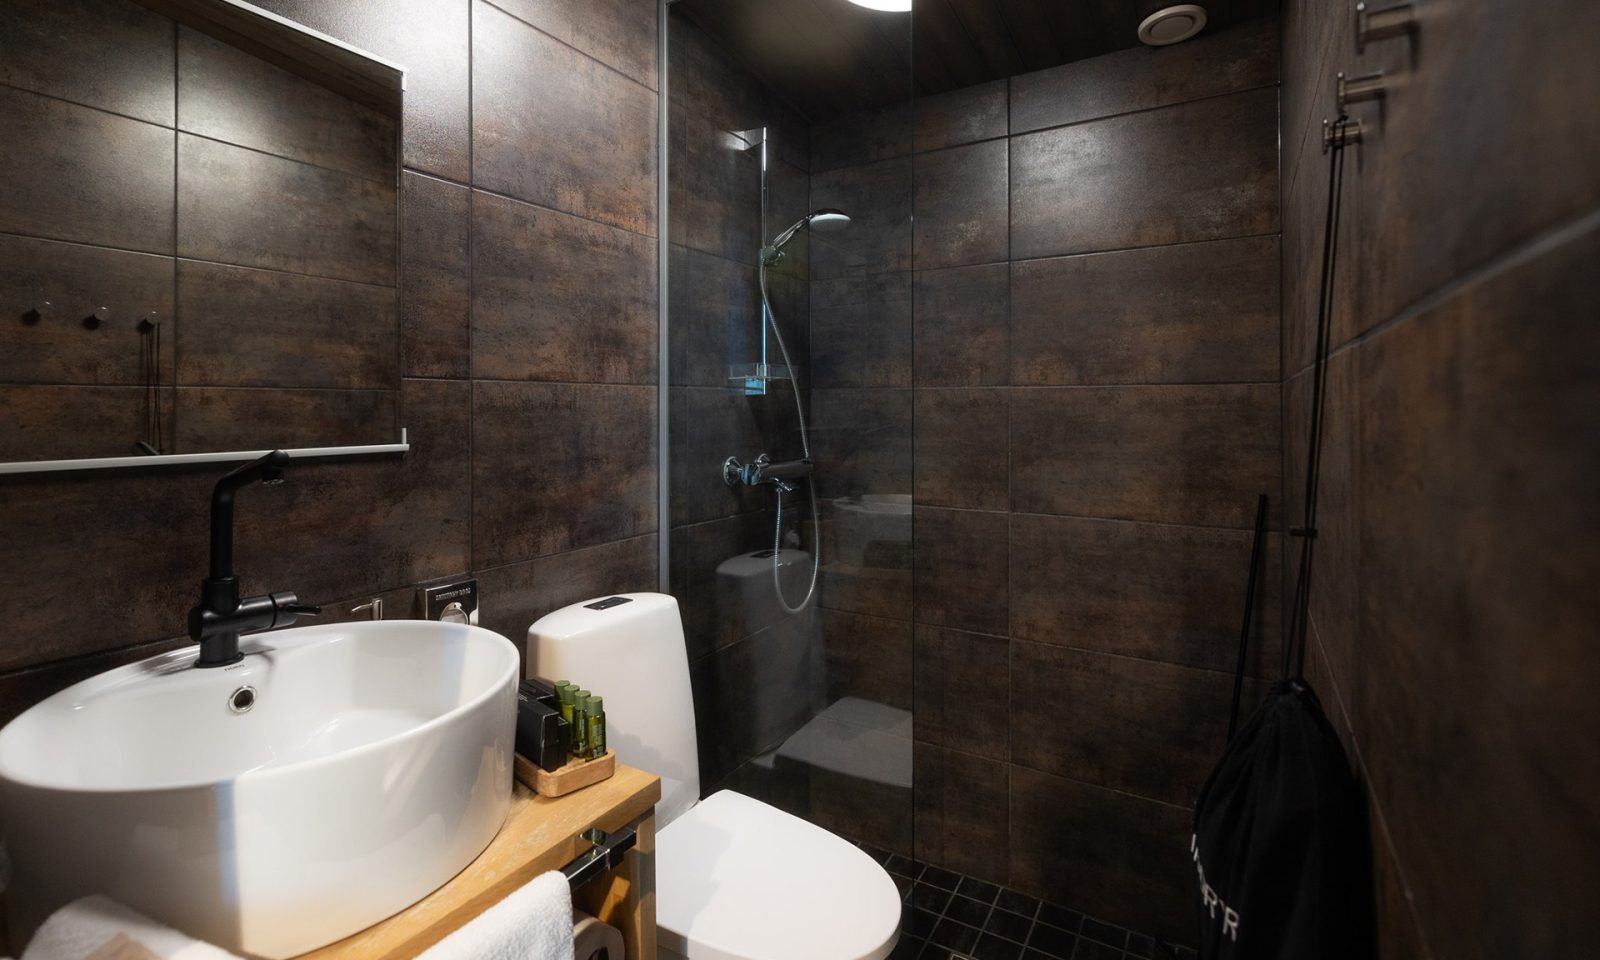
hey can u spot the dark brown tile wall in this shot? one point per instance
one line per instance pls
(542, 485)
(1094, 405)
(1451, 613)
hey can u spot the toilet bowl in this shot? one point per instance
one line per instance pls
(736, 879)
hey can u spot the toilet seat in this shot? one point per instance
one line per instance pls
(737, 879)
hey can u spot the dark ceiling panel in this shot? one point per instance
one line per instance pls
(831, 57)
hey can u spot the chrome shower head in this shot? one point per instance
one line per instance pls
(825, 220)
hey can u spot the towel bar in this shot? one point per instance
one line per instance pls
(606, 853)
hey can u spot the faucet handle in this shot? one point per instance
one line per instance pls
(286, 607)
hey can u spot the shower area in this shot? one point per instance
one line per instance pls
(972, 361)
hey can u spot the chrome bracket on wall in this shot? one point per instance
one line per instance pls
(1398, 20)
(221, 456)
(1341, 133)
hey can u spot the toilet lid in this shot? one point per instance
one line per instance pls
(737, 879)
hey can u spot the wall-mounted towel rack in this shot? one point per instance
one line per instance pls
(606, 853)
(180, 459)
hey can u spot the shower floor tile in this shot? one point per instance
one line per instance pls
(952, 917)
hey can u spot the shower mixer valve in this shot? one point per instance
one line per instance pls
(764, 470)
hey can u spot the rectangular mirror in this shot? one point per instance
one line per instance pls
(198, 238)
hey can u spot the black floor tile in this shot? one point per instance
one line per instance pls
(903, 884)
(954, 936)
(904, 866)
(919, 923)
(967, 911)
(1017, 903)
(978, 889)
(1052, 940)
(1012, 926)
(991, 947)
(1107, 933)
(877, 853)
(928, 897)
(1058, 916)
(1032, 954)
(909, 948)
(940, 878)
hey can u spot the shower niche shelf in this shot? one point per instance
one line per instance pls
(752, 378)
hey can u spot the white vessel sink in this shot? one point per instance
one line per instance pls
(372, 765)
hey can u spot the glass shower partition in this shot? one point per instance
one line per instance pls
(808, 710)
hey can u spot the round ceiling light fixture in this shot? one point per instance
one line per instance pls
(1172, 24)
(890, 6)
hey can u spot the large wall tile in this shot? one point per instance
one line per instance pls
(962, 448)
(558, 466)
(1111, 855)
(861, 441)
(243, 327)
(961, 205)
(962, 335)
(1176, 314)
(877, 197)
(556, 297)
(715, 317)
(960, 562)
(248, 418)
(1142, 727)
(1156, 591)
(962, 814)
(962, 116)
(862, 137)
(435, 277)
(1477, 607)
(227, 94)
(962, 691)
(717, 192)
(1176, 454)
(73, 173)
(240, 206)
(618, 33)
(553, 127)
(515, 595)
(1198, 171)
(861, 331)
(429, 39)
(40, 421)
(1141, 78)
(44, 47)
(867, 657)
(76, 279)
(866, 556)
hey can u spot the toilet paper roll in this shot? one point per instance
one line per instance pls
(593, 940)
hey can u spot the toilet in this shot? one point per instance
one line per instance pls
(736, 879)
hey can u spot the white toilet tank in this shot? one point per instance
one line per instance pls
(629, 649)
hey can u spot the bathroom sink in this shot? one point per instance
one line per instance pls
(331, 778)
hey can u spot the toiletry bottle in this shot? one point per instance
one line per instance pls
(567, 692)
(580, 713)
(597, 727)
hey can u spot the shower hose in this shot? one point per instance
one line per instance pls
(811, 487)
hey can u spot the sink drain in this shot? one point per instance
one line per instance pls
(242, 699)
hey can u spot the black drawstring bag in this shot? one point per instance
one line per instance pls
(1281, 848)
(1280, 841)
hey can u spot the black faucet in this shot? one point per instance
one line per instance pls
(221, 615)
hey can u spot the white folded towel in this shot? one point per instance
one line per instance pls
(533, 923)
(95, 928)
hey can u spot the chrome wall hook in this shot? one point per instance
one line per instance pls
(94, 319)
(1348, 90)
(1340, 133)
(1397, 20)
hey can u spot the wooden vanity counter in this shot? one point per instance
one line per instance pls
(540, 834)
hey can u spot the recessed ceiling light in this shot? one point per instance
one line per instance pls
(1172, 24)
(892, 6)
